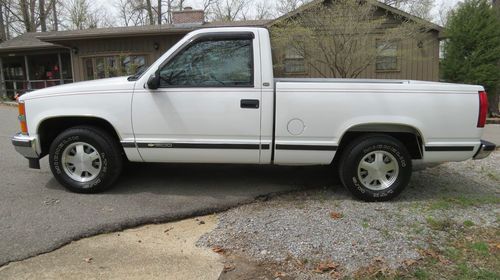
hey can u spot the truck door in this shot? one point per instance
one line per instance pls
(208, 106)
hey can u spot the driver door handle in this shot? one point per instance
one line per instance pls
(249, 103)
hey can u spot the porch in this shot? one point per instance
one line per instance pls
(20, 73)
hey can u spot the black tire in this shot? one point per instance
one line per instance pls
(363, 146)
(111, 159)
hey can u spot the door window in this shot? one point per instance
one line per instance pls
(219, 63)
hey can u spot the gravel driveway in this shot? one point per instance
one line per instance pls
(298, 231)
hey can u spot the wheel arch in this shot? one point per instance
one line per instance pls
(410, 136)
(49, 128)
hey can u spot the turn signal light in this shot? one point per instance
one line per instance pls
(483, 109)
(22, 118)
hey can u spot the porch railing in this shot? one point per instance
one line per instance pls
(13, 87)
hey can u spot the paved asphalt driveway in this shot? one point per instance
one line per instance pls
(37, 215)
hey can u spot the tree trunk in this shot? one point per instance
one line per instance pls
(495, 97)
(169, 11)
(3, 35)
(32, 5)
(54, 13)
(23, 4)
(150, 12)
(43, 15)
(159, 12)
(493, 101)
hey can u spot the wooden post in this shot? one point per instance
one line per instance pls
(60, 68)
(72, 63)
(3, 89)
(27, 71)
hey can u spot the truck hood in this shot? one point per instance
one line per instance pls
(110, 85)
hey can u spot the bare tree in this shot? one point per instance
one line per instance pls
(26, 15)
(149, 9)
(263, 10)
(230, 10)
(285, 6)
(171, 6)
(81, 14)
(9, 19)
(27, 19)
(158, 9)
(55, 19)
(341, 38)
(3, 32)
(207, 7)
(419, 8)
(143, 12)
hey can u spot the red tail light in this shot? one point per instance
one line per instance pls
(483, 108)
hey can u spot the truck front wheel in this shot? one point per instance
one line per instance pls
(85, 159)
(375, 167)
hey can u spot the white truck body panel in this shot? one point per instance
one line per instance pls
(441, 113)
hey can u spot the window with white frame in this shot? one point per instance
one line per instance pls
(387, 56)
(294, 61)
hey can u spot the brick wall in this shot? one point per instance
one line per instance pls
(188, 15)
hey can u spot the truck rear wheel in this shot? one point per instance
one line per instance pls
(375, 167)
(85, 159)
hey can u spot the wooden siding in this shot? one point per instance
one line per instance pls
(132, 45)
(414, 63)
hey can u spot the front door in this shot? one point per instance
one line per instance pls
(207, 108)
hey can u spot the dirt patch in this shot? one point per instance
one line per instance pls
(164, 251)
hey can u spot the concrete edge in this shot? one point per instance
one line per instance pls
(8, 103)
(134, 223)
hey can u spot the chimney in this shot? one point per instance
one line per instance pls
(188, 16)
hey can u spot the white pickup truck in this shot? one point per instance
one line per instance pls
(212, 98)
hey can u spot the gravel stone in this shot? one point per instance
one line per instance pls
(299, 226)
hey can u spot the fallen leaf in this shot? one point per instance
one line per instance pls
(336, 274)
(443, 260)
(218, 250)
(323, 267)
(336, 215)
(409, 262)
(279, 274)
(228, 267)
(88, 260)
(429, 253)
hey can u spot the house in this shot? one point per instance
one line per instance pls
(42, 59)
(415, 58)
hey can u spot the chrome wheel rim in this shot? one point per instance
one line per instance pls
(81, 162)
(378, 170)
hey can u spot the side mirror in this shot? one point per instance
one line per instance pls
(154, 81)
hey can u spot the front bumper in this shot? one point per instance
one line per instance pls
(485, 150)
(26, 146)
